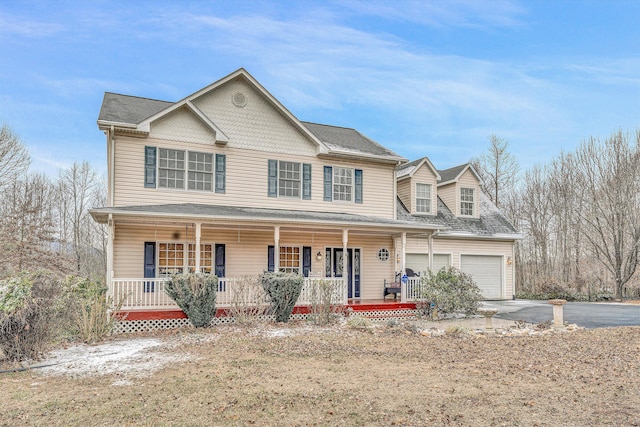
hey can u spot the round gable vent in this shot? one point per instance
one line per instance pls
(239, 99)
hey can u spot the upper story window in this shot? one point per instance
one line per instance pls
(423, 198)
(169, 168)
(200, 171)
(466, 201)
(342, 184)
(289, 179)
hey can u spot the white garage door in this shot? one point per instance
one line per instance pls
(487, 273)
(420, 262)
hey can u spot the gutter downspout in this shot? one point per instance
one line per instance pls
(395, 191)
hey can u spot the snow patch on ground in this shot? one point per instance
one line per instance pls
(130, 358)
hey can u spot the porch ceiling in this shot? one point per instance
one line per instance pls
(257, 217)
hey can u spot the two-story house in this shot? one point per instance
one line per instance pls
(227, 181)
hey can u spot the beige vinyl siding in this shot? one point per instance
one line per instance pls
(256, 126)
(246, 250)
(448, 195)
(468, 180)
(404, 193)
(458, 247)
(246, 181)
(182, 125)
(425, 175)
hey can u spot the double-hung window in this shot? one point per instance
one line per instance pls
(290, 259)
(171, 168)
(176, 169)
(466, 201)
(289, 179)
(200, 171)
(423, 198)
(342, 184)
(170, 259)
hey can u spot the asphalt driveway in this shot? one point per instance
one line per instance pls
(585, 314)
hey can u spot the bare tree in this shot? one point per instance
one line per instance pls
(498, 169)
(27, 227)
(76, 185)
(608, 175)
(14, 156)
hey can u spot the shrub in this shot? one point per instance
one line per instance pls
(91, 309)
(28, 314)
(248, 300)
(323, 293)
(195, 294)
(451, 290)
(283, 290)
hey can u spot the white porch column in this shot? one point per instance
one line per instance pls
(345, 255)
(431, 251)
(111, 229)
(197, 248)
(276, 248)
(403, 252)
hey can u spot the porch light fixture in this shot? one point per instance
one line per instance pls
(319, 256)
(398, 258)
(509, 261)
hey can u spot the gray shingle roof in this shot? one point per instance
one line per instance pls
(347, 139)
(492, 223)
(132, 110)
(451, 173)
(129, 109)
(219, 212)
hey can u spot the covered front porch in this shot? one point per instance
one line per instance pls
(144, 294)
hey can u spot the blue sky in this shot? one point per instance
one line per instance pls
(431, 78)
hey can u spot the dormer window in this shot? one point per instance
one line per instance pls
(423, 198)
(466, 201)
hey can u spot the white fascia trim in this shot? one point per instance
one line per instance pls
(459, 235)
(220, 136)
(107, 124)
(363, 156)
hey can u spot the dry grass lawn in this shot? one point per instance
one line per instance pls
(297, 375)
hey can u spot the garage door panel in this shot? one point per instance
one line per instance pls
(486, 272)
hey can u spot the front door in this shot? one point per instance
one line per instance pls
(335, 268)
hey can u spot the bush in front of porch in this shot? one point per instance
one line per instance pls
(195, 294)
(283, 290)
(451, 290)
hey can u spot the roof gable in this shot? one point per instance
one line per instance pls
(138, 115)
(407, 170)
(452, 175)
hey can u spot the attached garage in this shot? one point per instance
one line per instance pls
(420, 262)
(487, 273)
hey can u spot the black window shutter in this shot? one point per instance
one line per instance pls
(150, 167)
(149, 265)
(306, 181)
(306, 261)
(273, 179)
(358, 187)
(221, 173)
(328, 183)
(271, 262)
(220, 260)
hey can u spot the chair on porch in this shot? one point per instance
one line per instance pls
(394, 287)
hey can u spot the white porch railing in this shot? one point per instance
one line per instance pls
(150, 294)
(412, 290)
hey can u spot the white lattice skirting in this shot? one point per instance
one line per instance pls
(129, 326)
